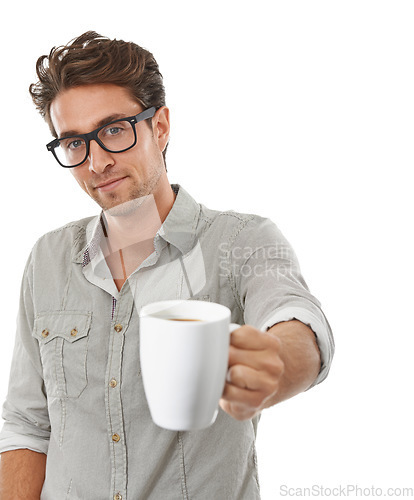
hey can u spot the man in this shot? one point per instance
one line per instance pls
(77, 424)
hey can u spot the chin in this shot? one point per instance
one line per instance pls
(119, 209)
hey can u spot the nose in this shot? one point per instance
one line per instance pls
(99, 159)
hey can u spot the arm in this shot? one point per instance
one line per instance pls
(300, 356)
(266, 368)
(284, 357)
(25, 412)
(22, 473)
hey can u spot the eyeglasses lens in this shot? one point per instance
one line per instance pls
(116, 137)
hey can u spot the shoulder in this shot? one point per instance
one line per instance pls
(228, 218)
(69, 230)
(238, 226)
(68, 238)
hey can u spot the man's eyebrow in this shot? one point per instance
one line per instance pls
(104, 121)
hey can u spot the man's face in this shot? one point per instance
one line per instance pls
(112, 179)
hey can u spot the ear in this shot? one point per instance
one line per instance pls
(161, 127)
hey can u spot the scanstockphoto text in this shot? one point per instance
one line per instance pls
(347, 490)
(275, 261)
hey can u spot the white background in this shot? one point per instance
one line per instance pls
(301, 111)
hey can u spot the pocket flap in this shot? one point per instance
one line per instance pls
(69, 325)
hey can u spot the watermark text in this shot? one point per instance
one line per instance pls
(348, 490)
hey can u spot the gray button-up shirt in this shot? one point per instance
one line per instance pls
(75, 390)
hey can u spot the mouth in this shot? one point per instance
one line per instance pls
(109, 184)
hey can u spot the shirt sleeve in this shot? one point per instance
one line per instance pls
(271, 287)
(25, 412)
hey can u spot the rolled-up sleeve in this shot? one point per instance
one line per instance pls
(272, 289)
(25, 412)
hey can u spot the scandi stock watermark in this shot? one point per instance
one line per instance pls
(348, 490)
(274, 261)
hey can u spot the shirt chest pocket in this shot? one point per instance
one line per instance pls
(63, 339)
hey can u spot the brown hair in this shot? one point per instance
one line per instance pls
(91, 59)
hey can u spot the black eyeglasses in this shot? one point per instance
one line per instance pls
(115, 137)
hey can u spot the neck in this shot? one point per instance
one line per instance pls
(130, 230)
(137, 220)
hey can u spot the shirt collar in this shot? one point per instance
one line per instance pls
(178, 229)
(180, 226)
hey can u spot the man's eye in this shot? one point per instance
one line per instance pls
(75, 144)
(113, 130)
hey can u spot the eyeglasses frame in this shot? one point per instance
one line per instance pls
(133, 120)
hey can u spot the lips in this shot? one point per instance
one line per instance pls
(110, 184)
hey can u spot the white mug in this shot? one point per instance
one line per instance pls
(184, 349)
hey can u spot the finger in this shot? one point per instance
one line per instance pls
(237, 411)
(243, 377)
(246, 378)
(244, 398)
(265, 360)
(247, 337)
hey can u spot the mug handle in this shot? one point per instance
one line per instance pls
(233, 326)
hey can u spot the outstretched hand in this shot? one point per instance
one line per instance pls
(254, 374)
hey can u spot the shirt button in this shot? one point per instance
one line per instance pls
(118, 496)
(113, 383)
(74, 332)
(45, 333)
(115, 438)
(118, 328)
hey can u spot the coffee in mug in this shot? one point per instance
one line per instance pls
(183, 319)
